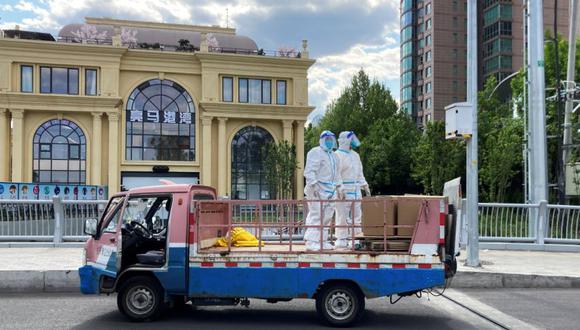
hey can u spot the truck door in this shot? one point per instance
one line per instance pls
(106, 246)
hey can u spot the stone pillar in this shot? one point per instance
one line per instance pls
(114, 143)
(287, 130)
(4, 145)
(96, 149)
(17, 145)
(222, 157)
(300, 159)
(206, 150)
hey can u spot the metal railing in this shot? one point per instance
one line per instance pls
(53, 220)
(540, 223)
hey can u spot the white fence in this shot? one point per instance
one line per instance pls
(535, 224)
(53, 220)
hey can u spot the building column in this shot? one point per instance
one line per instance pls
(17, 145)
(206, 150)
(222, 157)
(4, 146)
(287, 130)
(114, 143)
(300, 159)
(96, 149)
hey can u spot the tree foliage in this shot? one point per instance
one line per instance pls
(437, 160)
(388, 137)
(280, 164)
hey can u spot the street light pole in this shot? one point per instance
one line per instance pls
(472, 162)
(537, 105)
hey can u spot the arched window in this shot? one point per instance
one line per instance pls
(59, 153)
(248, 155)
(160, 122)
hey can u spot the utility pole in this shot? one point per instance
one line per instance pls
(537, 104)
(567, 140)
(561, 194)
(472, 162)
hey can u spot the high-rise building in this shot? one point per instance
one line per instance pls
(434, 49)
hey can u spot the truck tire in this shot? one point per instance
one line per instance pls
(340, 305)
(140, 299)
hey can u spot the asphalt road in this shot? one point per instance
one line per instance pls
(543, 308)
(54, 311)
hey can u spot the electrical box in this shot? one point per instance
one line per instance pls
(458, 121)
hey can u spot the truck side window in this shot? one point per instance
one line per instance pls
(113, 221)
(114, 206)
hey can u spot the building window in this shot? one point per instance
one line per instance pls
(455, 85)
(59, 153)
(90, 82)
(428, 9)
(455, 22)
(455, 54)
(407, 33)
(455, 5)
(228, 89)
(428, 56)
(160, 122)
(428, 24)
(255, 91)
(26, 81)
(248, 163)
(428, 103)
(407, 18)
(428, 87)
(428, 71)
(59, 80)
(428, 40)
(281, 92)
(406, 94)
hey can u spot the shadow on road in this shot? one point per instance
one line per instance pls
(257, 318)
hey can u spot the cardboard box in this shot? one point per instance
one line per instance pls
(373, 214)
(408, 207)
(407, 213)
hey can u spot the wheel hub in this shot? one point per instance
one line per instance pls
(340, 305)
(140, 300)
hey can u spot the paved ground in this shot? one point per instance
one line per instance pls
(525, 262)
(544, 308)
(512, 262)
(53, 311)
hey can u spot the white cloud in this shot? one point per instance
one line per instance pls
(331, 74)
(347, 35)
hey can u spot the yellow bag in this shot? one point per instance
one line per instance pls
(238, 237)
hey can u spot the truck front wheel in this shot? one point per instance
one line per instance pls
(340, 305)
(140, 299)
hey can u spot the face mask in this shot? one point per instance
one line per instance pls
(328, 144)
(355, 143)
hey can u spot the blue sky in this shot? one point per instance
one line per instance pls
(343, 35)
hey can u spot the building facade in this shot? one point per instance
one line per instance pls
(434, 49)
(125, 103)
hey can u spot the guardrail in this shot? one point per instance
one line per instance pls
(53, 220)
(536, 224)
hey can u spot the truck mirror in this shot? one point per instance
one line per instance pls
(90, 227)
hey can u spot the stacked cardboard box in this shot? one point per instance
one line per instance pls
(399, 210)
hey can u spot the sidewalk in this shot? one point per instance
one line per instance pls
(519, 269)
(55, 270)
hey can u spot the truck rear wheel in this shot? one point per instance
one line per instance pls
(140, 299)
(340, 305)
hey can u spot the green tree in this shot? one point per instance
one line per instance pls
(386, 154)
(436, 160)
(281, 164)
(368, 108)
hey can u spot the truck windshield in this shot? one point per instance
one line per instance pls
(151, 212)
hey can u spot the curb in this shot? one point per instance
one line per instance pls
(31, 281)
(483, 280)
(67, 281)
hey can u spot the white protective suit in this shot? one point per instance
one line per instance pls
(353, 180)
(323, 182)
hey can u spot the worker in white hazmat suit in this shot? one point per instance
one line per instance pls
(353, 180)
(323, 182)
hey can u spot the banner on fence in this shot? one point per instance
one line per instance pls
(25, 191)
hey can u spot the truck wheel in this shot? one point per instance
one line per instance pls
(140, 299)
(340, 305)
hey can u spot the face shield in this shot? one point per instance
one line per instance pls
(344, 141)
(354, 141)
(327, 140)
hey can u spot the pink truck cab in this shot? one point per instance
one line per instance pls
(156, 247)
